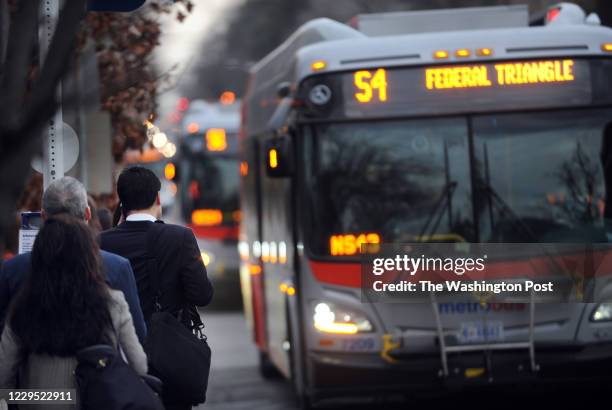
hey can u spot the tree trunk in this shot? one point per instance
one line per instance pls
(25, 110)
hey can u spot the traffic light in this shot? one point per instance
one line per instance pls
(114, 5)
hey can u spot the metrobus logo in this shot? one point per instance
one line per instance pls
(467, 307)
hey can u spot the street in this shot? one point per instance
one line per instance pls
(235, 382)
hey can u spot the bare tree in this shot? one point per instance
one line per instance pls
(28, 96)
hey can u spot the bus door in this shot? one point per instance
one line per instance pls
(277, 241)
(252, 274)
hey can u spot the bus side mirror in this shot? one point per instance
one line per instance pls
(278, 157)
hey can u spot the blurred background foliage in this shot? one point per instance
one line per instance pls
(255, 27)
(124, 44)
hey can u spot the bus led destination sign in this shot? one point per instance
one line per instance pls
(469, 87)
(503, 74)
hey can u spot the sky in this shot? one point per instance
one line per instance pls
(180, 41)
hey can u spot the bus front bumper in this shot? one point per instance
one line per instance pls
(347, 374)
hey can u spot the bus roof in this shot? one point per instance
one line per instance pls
(419, 49)
(424, 21)
(343, 48)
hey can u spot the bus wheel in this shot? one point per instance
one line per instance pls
(267, 368)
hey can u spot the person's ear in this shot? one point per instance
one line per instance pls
(43, 215)
(87, 214)
(158, 200)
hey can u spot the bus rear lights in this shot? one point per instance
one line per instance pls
(329, 319)
(216, 139)
(441, 55)
(273, 158)
(484, 52)
(318, 65)
(607, 47)
(207, 217)
(463, 53)
(602, 313)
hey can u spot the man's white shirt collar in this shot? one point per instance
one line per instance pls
(140, 217)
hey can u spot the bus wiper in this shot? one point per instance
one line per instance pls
(438, 211)
(507, 210)
(518, 222)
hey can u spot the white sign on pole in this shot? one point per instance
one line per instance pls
(70, 148)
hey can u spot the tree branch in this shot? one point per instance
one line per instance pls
(17, 64)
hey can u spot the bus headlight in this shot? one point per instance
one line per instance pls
(602, 313)
(328, 318)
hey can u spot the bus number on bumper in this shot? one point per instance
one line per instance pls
(362, 344)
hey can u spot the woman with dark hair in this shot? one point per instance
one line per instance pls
(63, 306)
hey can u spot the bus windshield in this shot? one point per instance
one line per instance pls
(213, 185)
(528, 177)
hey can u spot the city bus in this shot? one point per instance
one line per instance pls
(208, 171)
(453, 126)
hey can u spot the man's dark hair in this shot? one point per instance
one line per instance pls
(137, 188)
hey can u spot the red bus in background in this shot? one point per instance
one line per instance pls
(209, 174)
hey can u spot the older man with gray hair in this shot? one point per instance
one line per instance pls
(68, 196)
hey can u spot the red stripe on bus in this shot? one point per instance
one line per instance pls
(259, 312)
(596, 264)
(340, 274)
(215, 232)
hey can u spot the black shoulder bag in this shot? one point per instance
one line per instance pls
(176, 347)
(106, 381)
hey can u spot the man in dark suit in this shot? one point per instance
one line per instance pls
(67, 195)
(183, 281)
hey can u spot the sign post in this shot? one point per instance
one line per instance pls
(53, 147)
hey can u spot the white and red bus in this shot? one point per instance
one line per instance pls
(354, 134)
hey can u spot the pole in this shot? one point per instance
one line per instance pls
(53, 148)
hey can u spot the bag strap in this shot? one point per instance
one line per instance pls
(154, 274)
